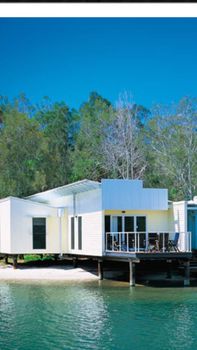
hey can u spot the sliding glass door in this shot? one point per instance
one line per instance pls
(141, 236)
(141, 223)
(127, 231)
(127, 223)
(116, 223)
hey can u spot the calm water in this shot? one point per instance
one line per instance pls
(99, 316)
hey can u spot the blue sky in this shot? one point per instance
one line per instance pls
(66, 59)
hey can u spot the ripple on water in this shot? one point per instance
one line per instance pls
(96, 316)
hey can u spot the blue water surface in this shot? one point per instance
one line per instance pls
(98, 315)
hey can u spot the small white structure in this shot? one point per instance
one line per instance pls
(87, 218)
(185, 218)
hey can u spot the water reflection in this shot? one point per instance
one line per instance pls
(49, 315)
(182, 337)
(94, 316)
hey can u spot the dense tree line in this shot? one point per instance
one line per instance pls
(48, 145)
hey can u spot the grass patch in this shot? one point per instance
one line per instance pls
(37, 257)
(30, 259)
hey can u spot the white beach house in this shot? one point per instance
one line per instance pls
(89, 218)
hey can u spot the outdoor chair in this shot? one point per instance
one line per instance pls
(153, 242)
(116, 246)
(163, 242)
(173, 243)
(142, 242)
(123, 247)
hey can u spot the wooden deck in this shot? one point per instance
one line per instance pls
(135, 257)
(124, 256)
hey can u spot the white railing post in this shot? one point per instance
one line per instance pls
(147, 240)
(190, 241)
(180, 242)
(187, 238)
(183, 246)
(127, 242)
(113, 238)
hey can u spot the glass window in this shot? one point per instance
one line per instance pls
(107, 223)
(129, 223)
(117, 224)
(141, 223)
(39, 233)
(79, 232)
(73, 233)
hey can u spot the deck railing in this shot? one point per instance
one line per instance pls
(148, 242)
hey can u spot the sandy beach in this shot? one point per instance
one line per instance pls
(55, 273)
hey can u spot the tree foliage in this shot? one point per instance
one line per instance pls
(57, 124)
(21, 155)
(87, 157)
(173, 143)
(48, 145)
(122, 146)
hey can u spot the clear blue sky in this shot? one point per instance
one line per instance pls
(66, 59)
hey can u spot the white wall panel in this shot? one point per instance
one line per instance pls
(130, 195)
(22, 212)
(5, 229)
(180, 220)
(88, 202)
(88, 205)
(180, 216)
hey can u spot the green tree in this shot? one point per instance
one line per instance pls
(172, 140)
(21, 154)
(86, 157)
(58, 127)
(122, 146)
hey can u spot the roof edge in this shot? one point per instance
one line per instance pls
(80, 182)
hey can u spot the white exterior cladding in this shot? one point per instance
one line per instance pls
(88, 205)
(130, 195)
(5, 225)
(22, 212)
(180, 216)
(89, 200)
(16, 235)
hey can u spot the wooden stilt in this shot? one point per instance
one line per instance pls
(6, 259)
(169, 269)
(187, 273)
(131, 273)
(75, 262)
(15, 261)
(100, 269)
(56, 256)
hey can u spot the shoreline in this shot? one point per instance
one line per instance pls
(52, 273)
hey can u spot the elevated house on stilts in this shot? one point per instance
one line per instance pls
(108, 220)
